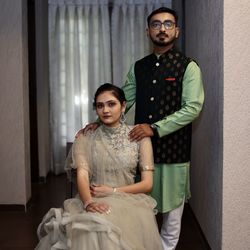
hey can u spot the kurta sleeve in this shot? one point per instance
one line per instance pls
(192, 102)
(146, 159)
(129, 88)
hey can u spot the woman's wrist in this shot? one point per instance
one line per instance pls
(87, 203)
(112, 189)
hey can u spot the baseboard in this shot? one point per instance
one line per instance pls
(15, 207)
(23, 207)
(12, 207)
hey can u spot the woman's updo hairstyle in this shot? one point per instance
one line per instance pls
(116, 91)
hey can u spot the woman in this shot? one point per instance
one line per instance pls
(111, 210)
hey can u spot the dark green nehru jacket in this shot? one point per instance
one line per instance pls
(159, 93)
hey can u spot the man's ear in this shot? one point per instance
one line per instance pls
(177, 32)
(147, 32)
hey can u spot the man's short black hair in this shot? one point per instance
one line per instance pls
(163, 10)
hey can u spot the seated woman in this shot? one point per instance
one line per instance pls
(111, 211)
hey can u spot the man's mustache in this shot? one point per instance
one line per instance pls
(162, 33)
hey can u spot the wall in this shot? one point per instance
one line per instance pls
(204, 42)
(236, 125)
(177, 5)
(42, 76)
(15, 185)
(216, 35)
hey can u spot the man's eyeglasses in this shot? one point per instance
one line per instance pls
(168, 25)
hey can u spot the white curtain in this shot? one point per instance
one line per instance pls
(90, 42)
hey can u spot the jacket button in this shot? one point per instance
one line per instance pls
(152, 98)
(150, 116)
(157, 64)
(154, 81)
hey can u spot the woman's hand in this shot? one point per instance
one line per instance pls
(98, 207)
(96, 190)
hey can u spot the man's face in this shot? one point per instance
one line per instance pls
(162, 29)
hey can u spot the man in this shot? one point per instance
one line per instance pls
(167, 89)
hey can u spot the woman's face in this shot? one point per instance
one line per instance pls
(109, 108)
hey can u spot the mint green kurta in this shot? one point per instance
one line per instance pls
(171, 181)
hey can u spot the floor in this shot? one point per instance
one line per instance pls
(18, 229)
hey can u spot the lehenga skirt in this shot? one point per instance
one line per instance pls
(130, 225)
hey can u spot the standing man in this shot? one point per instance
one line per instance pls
(167, 89)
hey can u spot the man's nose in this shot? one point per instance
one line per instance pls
(162, 27)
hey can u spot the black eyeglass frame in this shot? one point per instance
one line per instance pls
(165, 23)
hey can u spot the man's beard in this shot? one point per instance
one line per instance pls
(162, 43)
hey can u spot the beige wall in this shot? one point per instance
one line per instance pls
(236, 127)
(15, 187)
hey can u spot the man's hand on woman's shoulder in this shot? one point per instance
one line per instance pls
(140, 131)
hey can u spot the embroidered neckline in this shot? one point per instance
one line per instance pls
(112, 130)
(116, 136)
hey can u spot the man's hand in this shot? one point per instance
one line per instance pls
(89, 127)
(140, 131)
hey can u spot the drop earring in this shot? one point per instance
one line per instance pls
(123, 118)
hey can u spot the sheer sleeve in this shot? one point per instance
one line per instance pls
(80, 153)
(146, 159)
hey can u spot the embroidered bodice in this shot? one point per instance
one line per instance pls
(110, 157)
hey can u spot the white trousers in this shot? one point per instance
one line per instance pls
(171, 227)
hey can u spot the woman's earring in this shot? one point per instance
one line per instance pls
(123, 118)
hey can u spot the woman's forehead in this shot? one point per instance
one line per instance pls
(106, 96)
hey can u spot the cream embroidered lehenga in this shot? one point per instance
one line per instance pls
(111, 159)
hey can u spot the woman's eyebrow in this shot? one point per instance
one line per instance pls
(106, 101)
